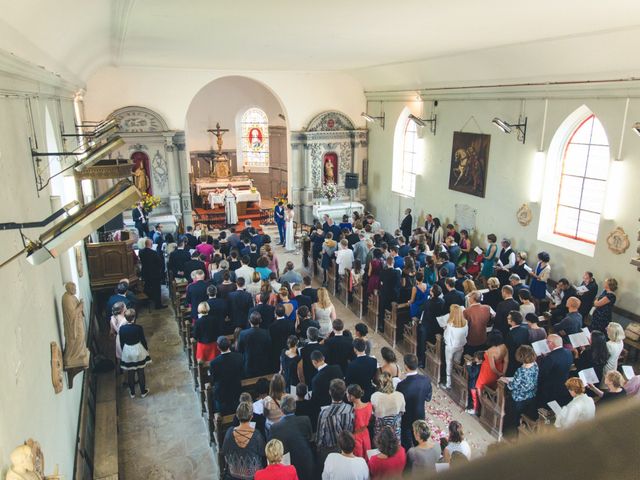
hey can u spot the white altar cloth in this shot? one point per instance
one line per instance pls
(241, 196)
(337, 209)
(212, 183)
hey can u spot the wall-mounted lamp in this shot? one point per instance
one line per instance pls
(422, 122)
(99, 130)
(372, 119)
(507, 127)
(84, 159)
(636, 128)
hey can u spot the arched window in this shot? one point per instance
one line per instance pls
(578, 169)
(254, 131)
(405, 156)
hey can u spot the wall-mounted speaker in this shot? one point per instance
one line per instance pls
(351, 181)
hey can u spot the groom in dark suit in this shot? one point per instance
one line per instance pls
(416, 389)
(141, 220)
(278, 215)
(407, 224)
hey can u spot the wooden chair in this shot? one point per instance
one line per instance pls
(211, 423)
(221, 425)
(193, 364)
(372, 311)
(433, 363)
(357, 299)
(493, 409)
(409, 341)
(306, 251)
(529, 427)
(459, 392)
(346, 284)
(249, 384)
(332, 277)
(203, 379)
(189, 344)
(394, 321)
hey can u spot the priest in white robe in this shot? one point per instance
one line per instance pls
(230, 205)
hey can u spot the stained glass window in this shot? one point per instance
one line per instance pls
(583, 181)
(254, 128)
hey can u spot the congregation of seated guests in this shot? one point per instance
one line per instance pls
(346, 415)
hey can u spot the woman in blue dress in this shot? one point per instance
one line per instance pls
(419, 295)
(539, 277)
(489, 259)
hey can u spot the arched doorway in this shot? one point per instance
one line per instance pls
(236, 124)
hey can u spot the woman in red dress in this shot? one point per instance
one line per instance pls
(362, 417)
(494, 366)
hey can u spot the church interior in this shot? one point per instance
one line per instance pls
(120, 116)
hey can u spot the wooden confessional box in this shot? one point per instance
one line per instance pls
(110, 262)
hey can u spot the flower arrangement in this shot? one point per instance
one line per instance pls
(329, 191)
(149, 202)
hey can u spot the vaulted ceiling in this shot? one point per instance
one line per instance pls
(75, 37)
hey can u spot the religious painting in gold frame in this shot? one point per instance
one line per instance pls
(469, 163)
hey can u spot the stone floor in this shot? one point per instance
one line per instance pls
(164, 436)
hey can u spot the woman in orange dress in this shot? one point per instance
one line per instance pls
(496, 361)
(362, 415)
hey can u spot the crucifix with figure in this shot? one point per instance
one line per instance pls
(220, 166)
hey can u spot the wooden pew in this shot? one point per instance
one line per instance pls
(203, 379)
(357, 300)
(332, 278)
(344, 289)
(372, 311)
(221, 425)
(492, 409)
(433, 360)
(394, 321)
(409, 341)
(306, 251)
(529, 427)
(193, 365)
(459, 392)
(189, 344)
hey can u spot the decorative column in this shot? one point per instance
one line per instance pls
(173, 173)
(184, 187)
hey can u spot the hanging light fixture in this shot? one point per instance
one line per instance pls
(506, 127)
(422, 122)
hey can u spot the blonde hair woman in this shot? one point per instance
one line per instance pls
(614, 346)
(323, 312)
(455, 338)
(580, 409)
(468, 286)
(388, 405)
(274, 451)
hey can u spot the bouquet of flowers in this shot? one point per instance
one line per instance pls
(329, 191)
(149, 202)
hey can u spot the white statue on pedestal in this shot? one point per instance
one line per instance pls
(76, 353)
(27, 463)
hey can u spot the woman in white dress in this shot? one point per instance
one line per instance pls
(230, 207)
(289, 244)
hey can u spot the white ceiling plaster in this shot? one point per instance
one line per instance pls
(79, 36)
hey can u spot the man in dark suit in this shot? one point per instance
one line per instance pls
(416, 389)
(266, 311)
(503, 309)
(518, 335)
(218, 277)
(407, 224)
(152, 267)
(517, 285)
(308, 290)
(254, 255)
(278, 216)
(279, 331)
(191, 240)
(192, 265)
(362, 369)
(226, 382)
(120, 296)
(559, 311)
(587, 298)
(338, 347)
(240, 302)
(304, 322)
(178, 258)
(196, 293)
(554, 371)
(308, 370)
(299, 297)
(295, 433)
(389, 290)
(451, 295)
(320, 383)
(141, 220)
(255, 346)
(218, 308)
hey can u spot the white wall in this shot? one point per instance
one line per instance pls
(170, 92)
(30, 296)
(510, 170)
(223, 100)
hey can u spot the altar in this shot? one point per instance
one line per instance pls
(217, 198)
(336, 210)
(211, 183)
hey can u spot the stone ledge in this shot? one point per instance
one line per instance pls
(106, 433)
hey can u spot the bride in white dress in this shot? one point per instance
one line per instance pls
(289, 244)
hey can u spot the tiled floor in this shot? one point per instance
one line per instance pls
(164, 436)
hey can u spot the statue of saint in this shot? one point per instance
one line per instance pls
(76, 354)
(22, 465)
(140, 178)
(328, 172)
